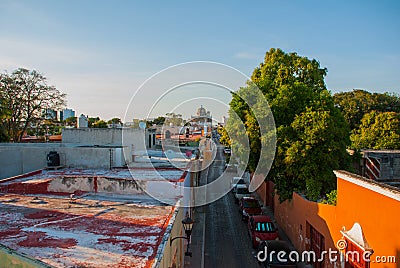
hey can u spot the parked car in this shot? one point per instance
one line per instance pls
(237, 180)
(239, 191)
(249, 206)
(267, 254)
(227, 150)
(231, 167)
(261, 228)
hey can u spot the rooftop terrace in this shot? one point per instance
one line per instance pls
(112, 224)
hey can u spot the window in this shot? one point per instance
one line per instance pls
(265, 227)
(242, 191)
(251, 204)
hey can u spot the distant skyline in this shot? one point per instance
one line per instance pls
(100, 52)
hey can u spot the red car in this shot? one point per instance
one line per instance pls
(261, 228)
(249, 206)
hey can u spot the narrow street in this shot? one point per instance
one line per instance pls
(227, 243)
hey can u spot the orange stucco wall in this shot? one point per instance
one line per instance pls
(378, 215)
(265, 193)
(294, 215)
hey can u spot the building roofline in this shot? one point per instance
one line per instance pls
(378, 187)
(24, 175)
(381, 151)
(166, 236)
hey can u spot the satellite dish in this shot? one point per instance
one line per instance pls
(142, 125)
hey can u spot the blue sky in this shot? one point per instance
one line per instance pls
(100, 52)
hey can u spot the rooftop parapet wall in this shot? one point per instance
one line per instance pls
(106, 136)
(17, 160)
(162, 182)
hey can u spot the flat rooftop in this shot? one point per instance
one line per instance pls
(171, 174)
(95, 228)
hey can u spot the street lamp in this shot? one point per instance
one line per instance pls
(187, 226)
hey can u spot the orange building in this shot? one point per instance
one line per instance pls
(362, 230)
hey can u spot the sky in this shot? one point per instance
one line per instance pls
(102, 52)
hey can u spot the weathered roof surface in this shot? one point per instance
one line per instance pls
(93, 231)
(170, 174)
(109, 221)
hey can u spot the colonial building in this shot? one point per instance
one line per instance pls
(361, 230)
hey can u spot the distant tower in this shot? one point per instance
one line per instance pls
(82, 121)
(201, 111)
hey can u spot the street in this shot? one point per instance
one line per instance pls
(227, 242)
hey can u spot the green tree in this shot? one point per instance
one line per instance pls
(5, 114)
(93, 120)
(71, 121)
(26, 94)
(115, 121)
(355, 104)
(224, 138)
(174, 119)
(311, 133)
(378, 131)
(100, 124)
(157, 121)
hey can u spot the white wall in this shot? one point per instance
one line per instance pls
(104, 185)
(106, 136)
(172, 255)
(17, 159)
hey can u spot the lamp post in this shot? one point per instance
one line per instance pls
(187, 226)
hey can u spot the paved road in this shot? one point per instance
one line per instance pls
(227, 243)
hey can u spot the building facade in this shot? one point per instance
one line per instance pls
(67, 113)
(364, 222)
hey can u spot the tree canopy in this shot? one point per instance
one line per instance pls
(173, 119)
(5, 114)
(355, 104)
(100, 124)
(25, 94)
(377, 131)
(311, 133)
(372, 117)
(156, 121)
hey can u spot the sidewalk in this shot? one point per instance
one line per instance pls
(267, 211)
(198, 232)
(282, 235)
(197, 239)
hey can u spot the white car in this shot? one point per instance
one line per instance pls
(231, 168)
(235, 181)
(239, 191)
